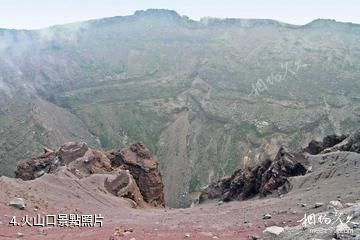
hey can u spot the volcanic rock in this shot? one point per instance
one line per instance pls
(142, 183)
(333, 143)
(319, 204)
(272, 232)
(123, 185)
(350, 144)
(18, 203)
(266, 178)
(71, 151)
(336, 204)
(316, 147)
(91, 162)
(267, 216)
(36, 167)
(144, 168)
(285, 165)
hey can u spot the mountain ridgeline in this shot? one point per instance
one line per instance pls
(206, 97)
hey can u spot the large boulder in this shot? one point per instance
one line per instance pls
(349, 144)
(144, 168)
(18, 203)
(316, 147)
(269, 177)
(122, 184)
(285, 165)
(71, 151)
(333, 143)
(92, 162)
(273, 232)
(36, 167)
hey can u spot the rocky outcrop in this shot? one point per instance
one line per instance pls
(269, 177)
(349, 144)
(316, 147)
(285, 165)
(139, 161)
(122, 184)
(272, 177)
(135, 171)
(332, 143)
(31, 169)
(77, 157)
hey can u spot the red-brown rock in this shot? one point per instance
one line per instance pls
(142, 183)
(144, 168)
(261, 180)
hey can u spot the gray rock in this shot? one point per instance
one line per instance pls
(318, 204)
(39, 173)
(356, 211)
(349, 204)
(267, 216)
(19, 234)
(273, 232)
(18, 203)
(336, 204)
(331, 210)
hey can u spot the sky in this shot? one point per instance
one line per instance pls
(35, 14)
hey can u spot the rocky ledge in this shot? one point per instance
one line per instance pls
(133, 172)
(271, 177)
(267, 178)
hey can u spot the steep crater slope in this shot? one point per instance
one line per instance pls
(331, 180)
(205, 96)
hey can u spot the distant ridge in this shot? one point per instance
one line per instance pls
(172, 15)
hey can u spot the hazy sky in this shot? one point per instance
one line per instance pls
(32, 14)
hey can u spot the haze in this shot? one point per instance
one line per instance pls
(36, 14)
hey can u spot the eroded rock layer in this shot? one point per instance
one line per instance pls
(264, 179)
(134, 171)
(272, 177)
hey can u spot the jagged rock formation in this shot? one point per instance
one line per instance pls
(315, 147)
(332, 143)
(271, 177)
(139, 161)
(123, 185)
(350, 144)
(134, 171)
(264, 179)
